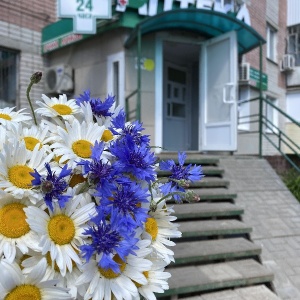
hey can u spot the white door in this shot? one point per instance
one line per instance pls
(218, 105)
(176, 108)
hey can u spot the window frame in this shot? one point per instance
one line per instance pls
(271, 43)
(274, 115)
(116, 68)
(11, 83)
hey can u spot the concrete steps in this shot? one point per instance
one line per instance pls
(258, 292)
(214, 250)
(215, 255)
(200, 278)
(203, 210)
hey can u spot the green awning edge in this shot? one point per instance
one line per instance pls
(206, 22)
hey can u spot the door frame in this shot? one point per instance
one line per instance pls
(202, 94)
(188, 104)
(160, 38)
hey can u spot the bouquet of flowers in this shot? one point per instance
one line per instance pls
(83, 214)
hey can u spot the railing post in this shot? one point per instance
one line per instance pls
(260, 101)
(139, 48)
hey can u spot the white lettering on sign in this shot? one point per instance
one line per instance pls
(151, 8)
(84, 13)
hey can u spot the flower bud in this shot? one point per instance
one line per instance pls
(36, 77)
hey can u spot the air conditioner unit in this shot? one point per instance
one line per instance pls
(244, 72)
(58, 79)
(287, 63)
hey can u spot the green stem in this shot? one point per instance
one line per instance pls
(29, 100)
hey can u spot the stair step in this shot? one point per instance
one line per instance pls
(211, 277)
(206, 251)
(207, 171)
(198, 160)
(194, 229)
(208, 194)
(258, 292)
(205, 210)
(210, 182)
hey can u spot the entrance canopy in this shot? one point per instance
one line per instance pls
(206, 22)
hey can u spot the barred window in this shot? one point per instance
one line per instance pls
(294, 43)
(8, 78)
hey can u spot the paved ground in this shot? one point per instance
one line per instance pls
(274, 214)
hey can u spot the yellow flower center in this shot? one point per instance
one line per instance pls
(5, 117)
(30, 142)
(62, 109)
(13, 221)
(61, 229)
(107, 135)
(76, 179)
(20, 176)
(82, 148)
(24, 257)
(109, 273)
(24, 292)
(138, 285)
(151, 227)
(50, 262)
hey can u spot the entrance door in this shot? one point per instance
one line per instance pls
(218, 107)
(176, 111)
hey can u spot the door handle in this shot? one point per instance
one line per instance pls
(228, 89)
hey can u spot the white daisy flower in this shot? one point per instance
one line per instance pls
(159, 228)
(53, 272)
(107, 135)
(31, 136)
(107, 285)
(9, 118)
(61, 231)
(156, 280)
(3, 137)
(16, 169)
(77, 141)
(61, 107)
(15, 232)
(15, 285)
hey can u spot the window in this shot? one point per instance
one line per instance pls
(116, 77)
(294, 43)
(244, 108)
(271, 42)
(292, 105)
(8, 78)
(271, 116)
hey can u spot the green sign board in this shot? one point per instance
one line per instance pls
(136, 3)
(255, 79)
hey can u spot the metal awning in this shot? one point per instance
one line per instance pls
(208, 23)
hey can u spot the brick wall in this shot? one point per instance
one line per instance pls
(31, 14)
(21, 22)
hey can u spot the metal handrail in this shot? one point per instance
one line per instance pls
(264, 123)
(129, 113)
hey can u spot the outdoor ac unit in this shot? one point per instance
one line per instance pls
(58, 79)
(287, 63)
(244, 72)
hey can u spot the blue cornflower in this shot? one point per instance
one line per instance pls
(99, 108)
(109, 238)
(100, 174)
(179, 172)
(85, 97)
(133, 129)
(53, 186)
(133, 159)
(127, 199)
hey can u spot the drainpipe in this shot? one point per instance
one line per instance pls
(260, 100)
(139, 48)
